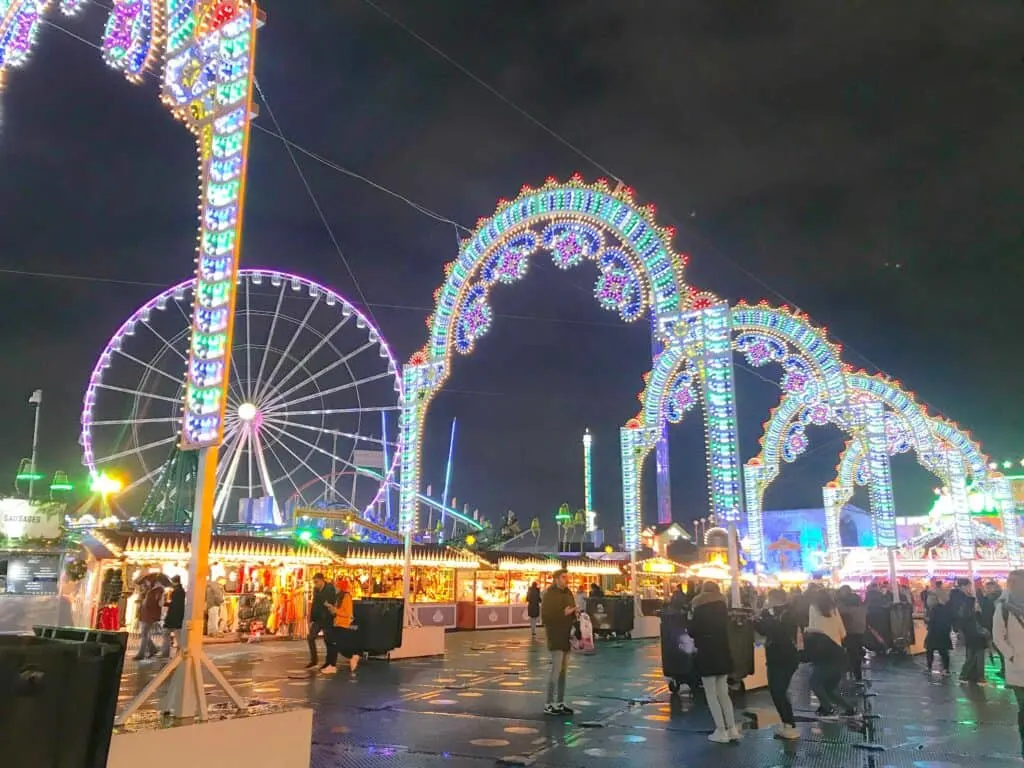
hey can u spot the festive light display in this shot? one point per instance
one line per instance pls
(588, 495)
(208, 47)
(834, 497)
(719, 391)
(883, 507)
(810, 363)
(574, 222)
(1002, 492)
(635, 442)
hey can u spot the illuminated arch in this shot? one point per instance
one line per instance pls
(883, 419)
(697, 364)
(208, 51)
(639, 275)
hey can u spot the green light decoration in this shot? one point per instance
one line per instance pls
(563, 515)
(60, 482)
(305, 535)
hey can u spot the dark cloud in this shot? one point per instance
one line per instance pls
(862, 160)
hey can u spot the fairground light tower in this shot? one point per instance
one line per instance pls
(588, 495)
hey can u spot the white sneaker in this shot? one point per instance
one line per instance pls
(735, 733)
(353, 662)
(720, 737)
(787, 732)
(328, 670)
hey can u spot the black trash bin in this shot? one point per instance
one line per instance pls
(901, 626)
(379, 623)
(58, 696)
(677, 651)
(741, 644)
(611, 616)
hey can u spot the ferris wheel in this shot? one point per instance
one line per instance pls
(314, 390)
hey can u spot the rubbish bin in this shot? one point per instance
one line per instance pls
(611, 616)
(901, 626)
(741, 643)
(677, 651)
(379, 623)
(58, 695)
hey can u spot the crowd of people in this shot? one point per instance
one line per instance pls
(830, 630)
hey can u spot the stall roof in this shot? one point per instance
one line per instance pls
(423, 555)
(547, 563)
(136, 546)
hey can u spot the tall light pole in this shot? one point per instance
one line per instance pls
(37, 400)
(588, 495)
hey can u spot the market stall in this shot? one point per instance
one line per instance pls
(375, 571)
(266, 582)
(494, 596)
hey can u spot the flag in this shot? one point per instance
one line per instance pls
(37, 397)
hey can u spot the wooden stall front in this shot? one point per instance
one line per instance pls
(494, 596)
(266, 582)
(375, 570)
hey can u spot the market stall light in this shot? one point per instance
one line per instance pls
(447, 558)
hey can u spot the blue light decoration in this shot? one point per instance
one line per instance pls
(883, 506)
(575, 222)
(130, 39)
(956, 482)
(1001, 490)
(834, 497)
(719, 392)
(635, 441)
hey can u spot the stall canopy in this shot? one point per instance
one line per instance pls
(384, 555)
(144, 547)
(529, 562)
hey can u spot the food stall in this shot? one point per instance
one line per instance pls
(375, 570)
(494, 596)
(266, 581)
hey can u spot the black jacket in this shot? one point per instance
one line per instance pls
(175, 617)
(533, 602)
(318, 614)
(709, 629)
(779, 630)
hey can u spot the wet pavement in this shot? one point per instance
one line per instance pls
(481, 706)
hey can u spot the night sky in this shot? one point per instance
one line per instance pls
(860, 161)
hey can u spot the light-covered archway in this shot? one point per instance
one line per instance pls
(883, 419)
(639, 274)
(697, 365)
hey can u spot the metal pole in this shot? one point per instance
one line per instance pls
(37, 399)
(447, 477)
(407, 578)
(332, 478)
(634, 587)
(734, 564)
(387, 464)
(890, 554)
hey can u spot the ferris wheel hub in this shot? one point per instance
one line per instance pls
(247, 412)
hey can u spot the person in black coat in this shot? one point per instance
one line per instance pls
(320, 618)
(533, 599)
(175, 617)
(709, 628)
(778, 624)
(939, 618)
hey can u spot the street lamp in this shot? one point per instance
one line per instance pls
(37, 400)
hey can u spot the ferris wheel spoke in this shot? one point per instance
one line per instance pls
(333, 411)
(272, 401)
(269, 384)
(232, 440)
(220, 500)
(167, 344)
(359, 470)
(281, 434)
(309, 355)
(139, 449)
(247, 392)
(332, 390)
(150, 367)
(270, 338)
(323, 430)
(125, 422)
(139, 393)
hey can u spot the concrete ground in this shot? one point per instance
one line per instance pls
(482, 705)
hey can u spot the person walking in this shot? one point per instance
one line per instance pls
(976, 640)
(823, 644)
(709, 628)
(175, 617)
(533, 599)
(151, 606)
(558, 613)
(320, 618)
(214, 601)
(987, 611)
(1008, 636)
(939, 620)
(855, 621)
(778, 624)
(341, 636)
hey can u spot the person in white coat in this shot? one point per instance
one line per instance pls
(1008, 636)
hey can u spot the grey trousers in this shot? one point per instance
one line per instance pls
(556, 678)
